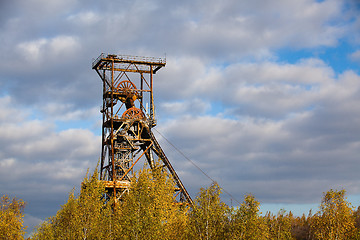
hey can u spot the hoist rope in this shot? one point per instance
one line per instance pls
(193, 163)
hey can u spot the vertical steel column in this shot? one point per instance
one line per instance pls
(112, 128)
(102, 129)
(152, 117)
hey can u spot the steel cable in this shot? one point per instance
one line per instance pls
(193, 163)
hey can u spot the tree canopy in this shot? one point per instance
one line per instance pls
(149, 211)
(11, 218)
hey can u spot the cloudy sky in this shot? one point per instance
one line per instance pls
(262, 95)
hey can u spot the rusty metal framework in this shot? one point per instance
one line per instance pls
(128, 113)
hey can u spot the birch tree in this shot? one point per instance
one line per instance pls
(209, 217)
(246, 222)
(11, 218)
(335, 219)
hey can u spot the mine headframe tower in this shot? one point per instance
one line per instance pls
(128, 115)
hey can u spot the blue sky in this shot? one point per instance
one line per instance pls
(262, 95)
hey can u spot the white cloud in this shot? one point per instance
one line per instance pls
(44, 50)
(240, 28)
(9, 111)
(8, 162)
(32, 51)
(31, 222)
(192, 106)
(355, 56)
(85, 18)
(63, 45)
(48, 8)
(265, 89)
(68, 112)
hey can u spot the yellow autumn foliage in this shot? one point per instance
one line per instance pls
(335, 219)
(11, 218)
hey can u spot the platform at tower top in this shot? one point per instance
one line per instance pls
(128, 59)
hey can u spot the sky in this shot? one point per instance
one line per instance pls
(262, 95)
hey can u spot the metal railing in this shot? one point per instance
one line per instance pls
(97, 60)
(129, 58)
(142, 59)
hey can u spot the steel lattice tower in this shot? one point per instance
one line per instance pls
(128, 113)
